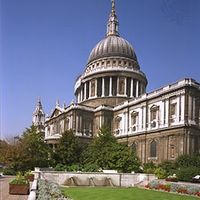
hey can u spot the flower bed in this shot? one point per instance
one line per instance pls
(174, 187)
(49, 190)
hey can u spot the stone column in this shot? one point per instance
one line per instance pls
(117, 85)
(77, 121)
(103, 87)
(131, 93)
(125, 86)
(78, 97)
(81, 94)
(141, 88)
(95, 88)
(194, 109)
(137, 88)
(90, 89)
(110, 88)
(85, 90)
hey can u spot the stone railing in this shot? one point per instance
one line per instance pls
(95, 179)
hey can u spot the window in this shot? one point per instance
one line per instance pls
(153, 149)
(172, 151)
(173, 111)
(134, 116)
(121, 85)
(106, 86)
(154, 115)
(128, 87)
(99, 87)
(118, 124)
(114, 85)
(93, 88)
(48, 129)
(134, 147)
(66, 124)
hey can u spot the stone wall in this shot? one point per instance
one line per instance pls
(95, 179)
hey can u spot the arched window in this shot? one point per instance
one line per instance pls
(118, 124)
(153, 149)
(66, 124)
(134, 120)
(154, 117)
(134, 147)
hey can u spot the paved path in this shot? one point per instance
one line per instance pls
(4, 188)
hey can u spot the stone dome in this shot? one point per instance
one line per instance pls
(112, 45)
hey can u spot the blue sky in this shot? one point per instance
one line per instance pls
(45, 44)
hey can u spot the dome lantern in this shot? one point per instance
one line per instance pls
(113, 24)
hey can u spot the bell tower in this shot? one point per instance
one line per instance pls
(39, 117)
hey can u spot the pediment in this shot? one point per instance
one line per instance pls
(56, 112)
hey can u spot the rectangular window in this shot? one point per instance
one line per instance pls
(128, 86)
(99, 87)
(114, 86)
(173, 112)
(153, 114)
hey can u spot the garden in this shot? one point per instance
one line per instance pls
(104, 152)
(77, 193)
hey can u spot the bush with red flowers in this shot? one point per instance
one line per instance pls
(174, 187)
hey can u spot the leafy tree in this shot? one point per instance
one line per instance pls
(160, 173)
(149, 167)
(104, 152)
(188, 160)
(187, 173)
(4, 146)
(68, 149)
(28, 152)
(168, 166)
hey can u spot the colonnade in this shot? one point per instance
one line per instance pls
(110, 86)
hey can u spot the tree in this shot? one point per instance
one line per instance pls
(187, 161)
(105, 152)
(68, 150)
(3, 151)
(28, 152)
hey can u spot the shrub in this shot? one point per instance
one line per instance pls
(149, 167)
(186, 174)
(60, 167)
(49, 190)
(175, 187)
(21, 180)
(9, 171)
(168, 166)
(160, 173)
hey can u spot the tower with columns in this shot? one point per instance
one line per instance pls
(38, 118)
(160, 125)
(112, 74)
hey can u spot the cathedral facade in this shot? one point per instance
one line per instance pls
(159, 126)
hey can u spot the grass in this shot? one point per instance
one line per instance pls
(96, 193)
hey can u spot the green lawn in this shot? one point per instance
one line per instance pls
(89, 193)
